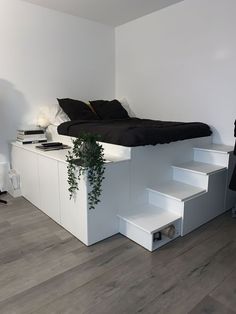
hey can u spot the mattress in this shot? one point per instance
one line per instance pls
(134, 132)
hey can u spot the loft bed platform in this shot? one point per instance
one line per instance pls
(163, 179)
(181, 184)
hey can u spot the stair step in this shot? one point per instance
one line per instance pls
(142, 225)
(213, 154)
(177, 190)
(149, 218)
(199, 167)
(223, 149)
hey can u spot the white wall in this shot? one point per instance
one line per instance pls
(45, 54)
(175, 64)
(179, 63)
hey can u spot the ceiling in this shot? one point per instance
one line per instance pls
(111, 12)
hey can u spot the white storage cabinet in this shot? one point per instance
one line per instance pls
(44, 183)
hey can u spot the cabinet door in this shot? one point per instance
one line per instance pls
(73, 212)
(49, 187)
(25, 163)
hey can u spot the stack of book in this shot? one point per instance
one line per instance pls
(31, 136)
(52, 146)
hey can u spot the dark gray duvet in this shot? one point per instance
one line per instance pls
(136, 132)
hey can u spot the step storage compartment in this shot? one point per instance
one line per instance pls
(145, 226)
(201, 209)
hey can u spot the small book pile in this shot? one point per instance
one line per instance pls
(31, 136)
(52, 146)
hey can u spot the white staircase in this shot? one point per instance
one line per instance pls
(196, 194)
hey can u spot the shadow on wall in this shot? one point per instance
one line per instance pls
(13, 107)
(217, 138)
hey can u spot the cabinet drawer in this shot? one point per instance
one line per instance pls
(49, 187)
(26, 164)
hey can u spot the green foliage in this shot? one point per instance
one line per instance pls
(86, 157)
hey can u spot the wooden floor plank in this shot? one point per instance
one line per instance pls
(136, 286)
(209, 305)
(225, 292)
(44, 269)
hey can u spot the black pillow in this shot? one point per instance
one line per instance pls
(76, 109)
(109, 109)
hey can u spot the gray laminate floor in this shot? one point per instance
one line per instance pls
(43, 269)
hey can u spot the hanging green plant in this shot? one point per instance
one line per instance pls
(86, 157)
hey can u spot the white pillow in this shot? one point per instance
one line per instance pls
(127, 107)
(60, 117)
(52, 114)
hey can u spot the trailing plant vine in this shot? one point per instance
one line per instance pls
(86, 157)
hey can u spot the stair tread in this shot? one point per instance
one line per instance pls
(177, 190)
(224, 149)
(149, 218)
(200, 167)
